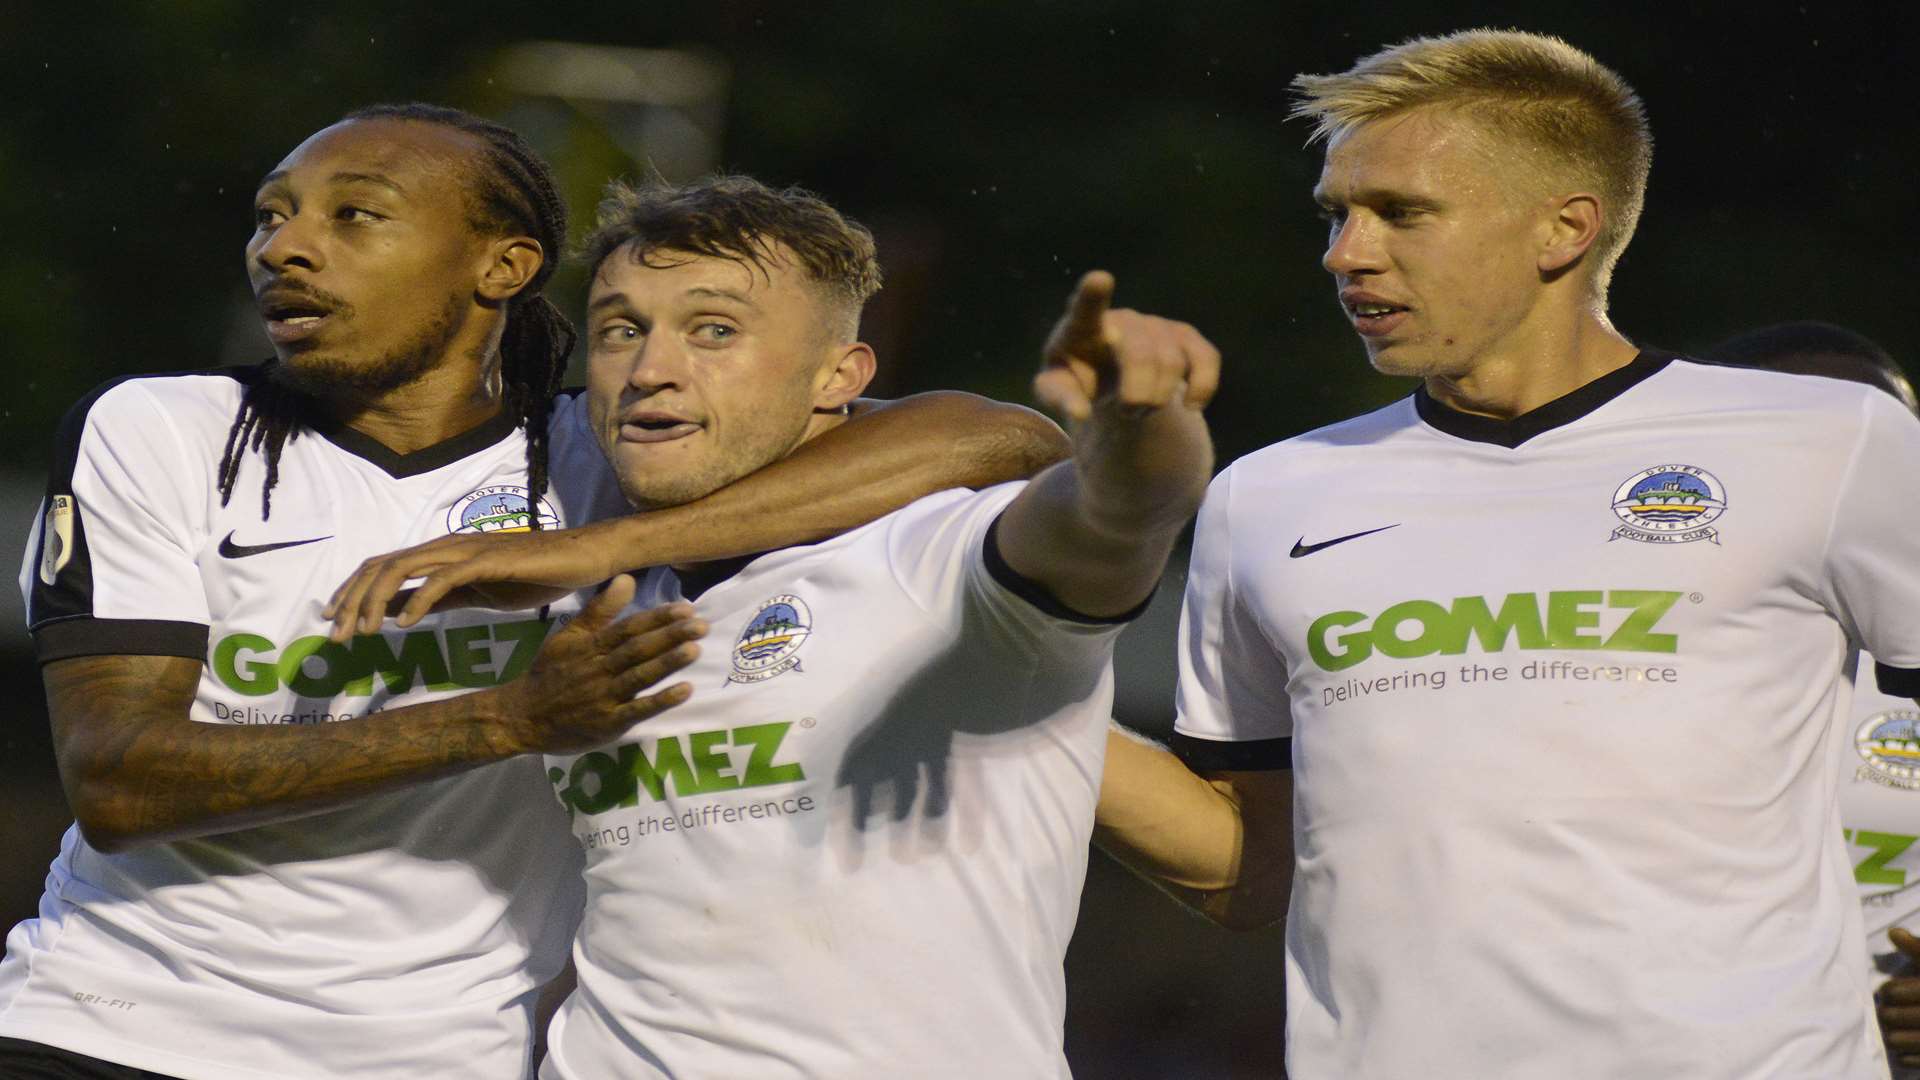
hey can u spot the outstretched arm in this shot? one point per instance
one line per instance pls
(888, 455)
(1096, 531)
(138, 770)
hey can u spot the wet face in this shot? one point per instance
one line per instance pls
(363, 261)
(1433, 252)
(701, 370)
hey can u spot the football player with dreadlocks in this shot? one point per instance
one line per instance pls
(297, 857)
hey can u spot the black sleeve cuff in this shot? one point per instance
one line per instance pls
(1210, 755)
(1036, 594)
(1899, 682)
(83, 635)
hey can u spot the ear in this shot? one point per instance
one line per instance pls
(842, 380)
(1571, 227)
(511, 262)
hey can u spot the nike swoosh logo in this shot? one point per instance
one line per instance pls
(1302, 548)
(231, 550)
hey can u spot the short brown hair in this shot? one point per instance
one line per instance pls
(1582, 119)
(740, 218)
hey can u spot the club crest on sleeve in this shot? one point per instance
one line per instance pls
(500, 508)
(1669, 504)
(771, 640)
(1889, 745)
(56, 538)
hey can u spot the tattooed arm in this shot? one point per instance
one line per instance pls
(138, 771)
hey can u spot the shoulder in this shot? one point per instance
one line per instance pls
(569, 410)
(1697, 385)
(944, 529)
(154, 411)
(953, 507)
(1350, 443)
(578, 475)
(184, 395)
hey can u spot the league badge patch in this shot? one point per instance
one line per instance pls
(56, 538)
(1669, 504)
(1889, 744)
(501, 508)
(768, 645)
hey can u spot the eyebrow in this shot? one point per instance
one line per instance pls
(280, 175)
(619, 300)
(723, 294)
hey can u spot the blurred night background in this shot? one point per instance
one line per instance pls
(998, 149)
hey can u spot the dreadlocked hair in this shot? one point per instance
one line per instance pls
(511, 192)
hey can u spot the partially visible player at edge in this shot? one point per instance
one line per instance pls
(885, 885)
(1559, 645)
(297, 858)
(1879, 775)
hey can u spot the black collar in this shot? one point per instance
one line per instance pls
(397, 465)
(1559, 412)
(427, 458)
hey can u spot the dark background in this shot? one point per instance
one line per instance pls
(998, 149)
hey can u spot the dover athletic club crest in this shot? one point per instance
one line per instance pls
(1669, 504)
(1889, 747)
(500, 508)
(771, 640)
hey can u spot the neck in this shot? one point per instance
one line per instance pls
(456, 395)
(1527, 371)
(702, 576)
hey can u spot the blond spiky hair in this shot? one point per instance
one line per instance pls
(1580, 120)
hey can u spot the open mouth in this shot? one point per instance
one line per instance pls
(291, 316)
(655, 427)
(1373, 318)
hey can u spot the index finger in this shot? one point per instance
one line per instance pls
(1087, 307)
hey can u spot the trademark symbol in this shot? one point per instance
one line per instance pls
(1694, 598)
(807, 721)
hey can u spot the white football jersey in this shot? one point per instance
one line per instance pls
(1562, 696)
(1879, 757)
(857, 850)
(401, 937)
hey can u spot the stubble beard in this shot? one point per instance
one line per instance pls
(649, 489)
(341, 377)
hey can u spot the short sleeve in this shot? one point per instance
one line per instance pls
(940, 549)
(1873, 550)
(111, 565)
(1232, 697)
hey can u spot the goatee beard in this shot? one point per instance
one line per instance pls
(339, 378)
